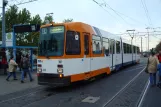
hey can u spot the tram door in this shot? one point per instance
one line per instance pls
(87, 56)
(112, 53)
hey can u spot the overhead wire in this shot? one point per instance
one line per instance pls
(116, 12)
(105, 10)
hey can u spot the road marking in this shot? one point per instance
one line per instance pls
(143, 96)
(91, 99)
(123, 88)
(134, 68)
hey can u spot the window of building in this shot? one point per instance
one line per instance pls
(97, 44)
(86, 44)
(118, 47)
(106, 46)
(73, 43)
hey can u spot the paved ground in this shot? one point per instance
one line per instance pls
(15, 85)
(152, 97)
(93, 94)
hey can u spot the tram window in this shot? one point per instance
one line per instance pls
(97, 45)
(138, 50)
(134, 49)
(124, 45)
(73, 43)
(106, 46)
(86, 44)
(130, 48)
(118, 47)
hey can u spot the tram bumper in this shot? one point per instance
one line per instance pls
(53, 80)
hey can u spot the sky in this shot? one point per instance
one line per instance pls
(104, 18)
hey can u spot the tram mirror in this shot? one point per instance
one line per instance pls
(76, 37)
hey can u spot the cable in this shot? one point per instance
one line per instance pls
(26, 2)
(116, 12)
(146, 12)
(109, 7)
(105, 10)
(21, 2)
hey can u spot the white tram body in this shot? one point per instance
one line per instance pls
(75, 51)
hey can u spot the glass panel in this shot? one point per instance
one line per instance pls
(97, 46)
(51, 42)
(86, 44)
(73, 43)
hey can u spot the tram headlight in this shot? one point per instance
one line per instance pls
(60, 70)
(39, 70)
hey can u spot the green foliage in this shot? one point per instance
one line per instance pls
(14, 16)
(158, 47)
(67, 20)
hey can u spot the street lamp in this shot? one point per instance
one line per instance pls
(148, 37)
(132, 36)
(4, 3)
(48, 14)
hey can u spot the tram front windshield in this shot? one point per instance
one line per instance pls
(51, 41)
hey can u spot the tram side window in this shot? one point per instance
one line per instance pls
(130, 48)
(138, 50)
(73, 43)
(124, 45)
(118, 47)
(97, 45)
(134, 49)
(86, 44)
(106, 46)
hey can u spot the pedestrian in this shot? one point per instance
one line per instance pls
(152, 68)
(21, 64)
(25, 68)
(12, 69)
(4, 64)
(159, 69)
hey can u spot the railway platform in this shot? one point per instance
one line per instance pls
(12, 86)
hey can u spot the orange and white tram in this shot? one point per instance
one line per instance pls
(75, 51)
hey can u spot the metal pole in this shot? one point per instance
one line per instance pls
(141, 46)
(148, 39)
(3, 24)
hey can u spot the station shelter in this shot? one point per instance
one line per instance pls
(11, 48)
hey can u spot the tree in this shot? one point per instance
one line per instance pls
(67, 20)
(14, 16)
(35, 36)
(11, 17)
(158, 47)
(49, 18)
(24, 16)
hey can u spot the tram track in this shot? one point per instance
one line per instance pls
(42, 93)
(128, 95)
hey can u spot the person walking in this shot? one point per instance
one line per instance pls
(152, 68)
(4, 64)
(159, 69)
(25, 68)
(21, 64)
(12, 69)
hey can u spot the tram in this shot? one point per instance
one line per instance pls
(75, 51)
